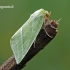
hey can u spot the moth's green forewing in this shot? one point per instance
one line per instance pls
(22, 40)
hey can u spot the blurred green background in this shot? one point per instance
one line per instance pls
(56, 55)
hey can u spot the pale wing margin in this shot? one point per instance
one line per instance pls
(25, 36)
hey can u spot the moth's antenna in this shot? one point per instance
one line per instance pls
(50, 12)
(59, 20)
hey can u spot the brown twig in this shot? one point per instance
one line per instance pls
(42, 40)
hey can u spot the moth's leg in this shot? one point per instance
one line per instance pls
(44, 24)
(52, 26)
(47, 33)
(34, 42)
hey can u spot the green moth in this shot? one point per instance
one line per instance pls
(22, 40)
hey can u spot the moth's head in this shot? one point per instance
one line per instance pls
(47, 14)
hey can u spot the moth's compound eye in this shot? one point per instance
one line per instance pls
(47, 14)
